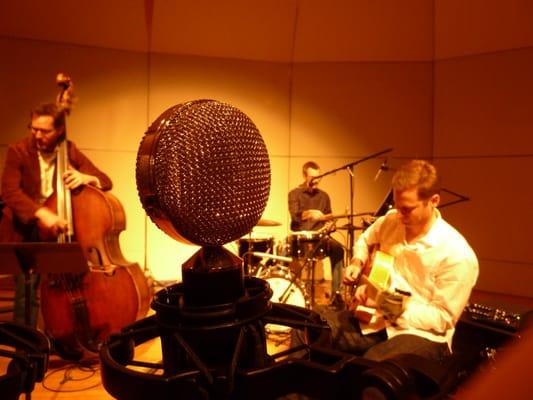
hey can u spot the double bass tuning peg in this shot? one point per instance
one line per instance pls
(63, 80)
(65, 98)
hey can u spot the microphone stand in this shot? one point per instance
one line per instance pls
(350, 167)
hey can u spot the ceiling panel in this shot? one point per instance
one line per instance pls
(464, 28)
(255, 30)
(266, 30)
(364, 30)
(117, 24)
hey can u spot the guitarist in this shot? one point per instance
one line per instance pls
(28, 180)
(433, 272)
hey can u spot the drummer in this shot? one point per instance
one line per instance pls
(310, 209)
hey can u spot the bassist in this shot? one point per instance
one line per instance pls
(29, 179)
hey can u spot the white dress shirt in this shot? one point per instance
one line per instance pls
(438, 269)
(47, 164)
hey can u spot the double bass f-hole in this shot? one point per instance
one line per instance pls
(95, 257)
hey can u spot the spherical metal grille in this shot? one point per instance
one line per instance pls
(210, 172)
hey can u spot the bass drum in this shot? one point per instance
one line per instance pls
(285, 289)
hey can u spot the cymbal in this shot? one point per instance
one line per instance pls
(349, 227)
(267, 222)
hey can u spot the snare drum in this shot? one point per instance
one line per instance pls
(254, 242)
(285, 289)
(306, 244)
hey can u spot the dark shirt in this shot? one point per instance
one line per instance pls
(302, 199)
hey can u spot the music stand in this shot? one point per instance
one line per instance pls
(38, 258)
(459, 198)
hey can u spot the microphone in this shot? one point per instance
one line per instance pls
(203, 173)
(272, 256)
(314, 182)
(203, 177)
(382, 167)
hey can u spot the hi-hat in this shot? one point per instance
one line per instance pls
(267, 222)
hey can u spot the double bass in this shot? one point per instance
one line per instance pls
(81, 310)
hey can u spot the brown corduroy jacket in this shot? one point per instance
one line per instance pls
(21, 185)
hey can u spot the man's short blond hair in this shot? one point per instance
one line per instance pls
(419, 174)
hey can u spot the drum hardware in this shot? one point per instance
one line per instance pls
(273, 256)
(314, 250)
(248, 244)
(259, 270)
(310, 265)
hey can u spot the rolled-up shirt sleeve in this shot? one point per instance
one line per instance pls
(453, 280)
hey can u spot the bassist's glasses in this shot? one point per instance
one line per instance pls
(36, 130)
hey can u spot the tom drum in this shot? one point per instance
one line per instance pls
(307, 244)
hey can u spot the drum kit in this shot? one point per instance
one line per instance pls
(283, 264)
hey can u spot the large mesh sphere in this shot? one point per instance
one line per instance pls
(203, 173)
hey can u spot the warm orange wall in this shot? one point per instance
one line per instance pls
(482, 132)
(107, 120)
(464, 28)
(333, 113)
